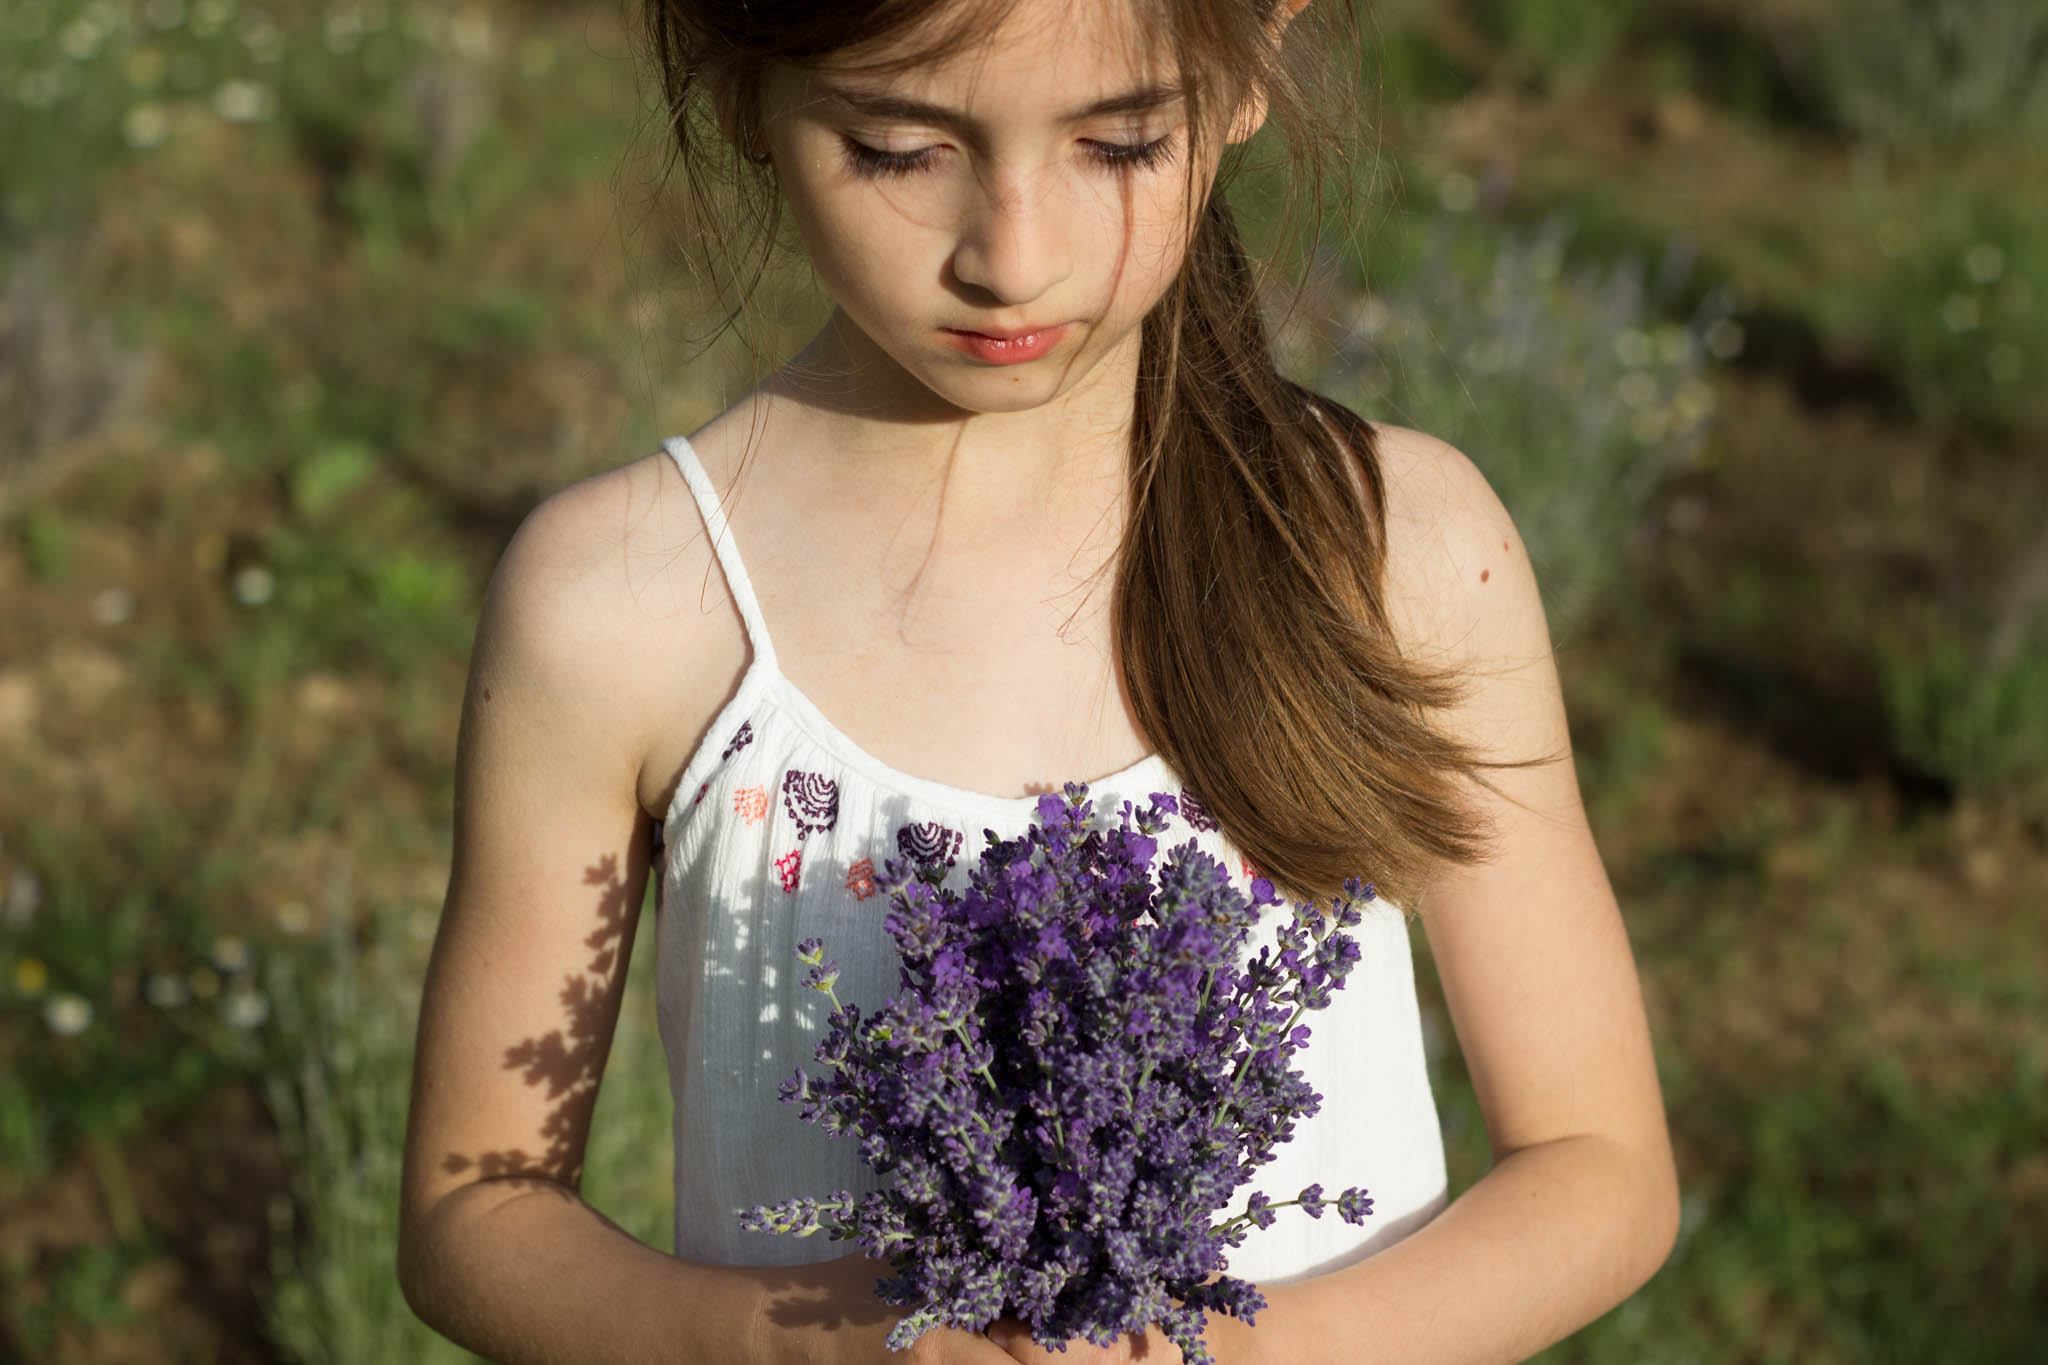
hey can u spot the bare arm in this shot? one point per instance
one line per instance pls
(1581, 1205)
(497, 1250)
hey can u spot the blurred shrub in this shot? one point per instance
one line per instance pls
(1975, 716)
(1924, 73)
(1559, 379)
(338, 1089)
(1564, 41)
(85, 84)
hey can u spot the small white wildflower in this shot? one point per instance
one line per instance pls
(230, 953)
(245, 1009)
(255, 585)
(469, 33)
(242, 102)
(1638, 389)
(67, 1015)
(165, 990)
(293, 917)
(1457, 192)
(24, 898)
(81, 39)
(1984, 262)
(36, 89)
(113, 606)
(208, 15)
(1961, 312)
(1632, 347)
(1725, 339)
(343, 29)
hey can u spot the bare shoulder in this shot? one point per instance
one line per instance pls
(1460, 588)
(607, 611)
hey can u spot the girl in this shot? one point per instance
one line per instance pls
(1034, 505)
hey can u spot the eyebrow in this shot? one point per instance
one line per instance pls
(1143, 99)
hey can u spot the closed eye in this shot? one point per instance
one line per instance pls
(878, 163)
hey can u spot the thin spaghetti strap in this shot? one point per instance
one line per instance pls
(715, 525)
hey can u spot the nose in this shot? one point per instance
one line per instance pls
(1015, 243)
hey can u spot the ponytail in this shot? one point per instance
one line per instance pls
(1251, 613)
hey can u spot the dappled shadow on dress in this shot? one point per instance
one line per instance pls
(569, 1061)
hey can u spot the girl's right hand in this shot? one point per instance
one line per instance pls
(827, 1314)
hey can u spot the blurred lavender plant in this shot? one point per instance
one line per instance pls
(1559, 381)
(1074, 1079)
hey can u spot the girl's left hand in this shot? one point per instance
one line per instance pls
(1152, 1347)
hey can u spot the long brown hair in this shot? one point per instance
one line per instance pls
(1251, 620)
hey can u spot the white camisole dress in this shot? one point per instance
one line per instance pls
(777, 828)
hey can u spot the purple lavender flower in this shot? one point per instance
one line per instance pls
(1072, 1082)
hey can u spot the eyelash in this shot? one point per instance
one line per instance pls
(1120, 157)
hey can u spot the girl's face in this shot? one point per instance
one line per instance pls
(993, 224)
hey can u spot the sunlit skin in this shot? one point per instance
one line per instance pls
(1048, 189)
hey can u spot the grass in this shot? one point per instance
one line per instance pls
(1759, 377)
(338, 1088)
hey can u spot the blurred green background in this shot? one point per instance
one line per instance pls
(1743, 306)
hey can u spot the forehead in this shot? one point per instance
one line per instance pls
(1015, 55)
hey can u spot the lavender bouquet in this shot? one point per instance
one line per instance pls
(1073, 1082)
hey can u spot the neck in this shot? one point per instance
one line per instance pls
(865, 407)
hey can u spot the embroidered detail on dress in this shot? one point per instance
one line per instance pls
(812, 800)
(741, 738)
(860, 879)
(750, 804)
(698, 799)
(789, 867)
(1249, 868)
(1195, 812)
(927, 841)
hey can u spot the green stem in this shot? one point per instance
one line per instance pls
(1246, 1218)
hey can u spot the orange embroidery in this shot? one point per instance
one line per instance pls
(860, 879)
(790, 866)
(1250, 868)
(751, 803)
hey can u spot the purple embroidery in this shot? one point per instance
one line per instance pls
(740, 740)
(812, 800)
(1195, 812)
(929, 842)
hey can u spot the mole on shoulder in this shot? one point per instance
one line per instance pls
(1485, 574)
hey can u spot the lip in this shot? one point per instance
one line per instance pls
(1006, 347)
